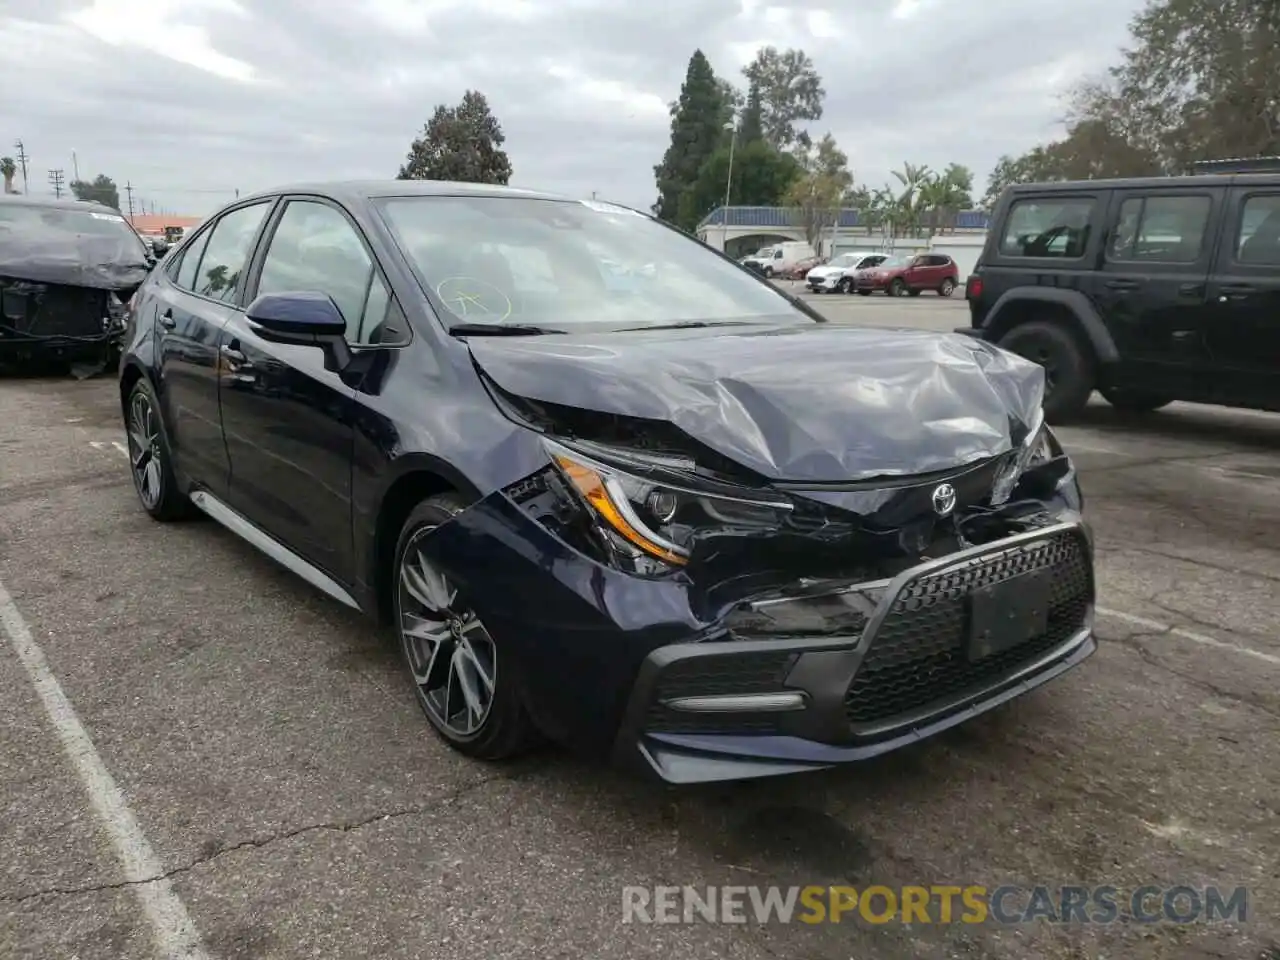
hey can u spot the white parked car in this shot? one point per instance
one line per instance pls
(836, 276)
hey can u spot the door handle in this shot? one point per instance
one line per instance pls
(1235, 291)
(1122, 284)
(237, 362)
(167, 321)
(1191, 290)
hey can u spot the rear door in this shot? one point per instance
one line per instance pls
(1241, 324)
(1152, 286)
(193, 303)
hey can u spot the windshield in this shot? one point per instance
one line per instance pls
(100, 222)
(845, 260)
(558, 264)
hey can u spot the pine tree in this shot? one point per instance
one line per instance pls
(752, 126)
(697, 129)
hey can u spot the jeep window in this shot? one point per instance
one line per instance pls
(1258, 240)
(1047, 228)
(1167, 229)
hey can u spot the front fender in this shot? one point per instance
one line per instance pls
(1080, 306)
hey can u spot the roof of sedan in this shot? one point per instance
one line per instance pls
(368, 189)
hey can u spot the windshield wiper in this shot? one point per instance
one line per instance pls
(686, 325)
(499, 330)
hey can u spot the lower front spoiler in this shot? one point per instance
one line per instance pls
(702, 758)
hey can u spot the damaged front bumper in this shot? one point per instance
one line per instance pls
(667, 678)
(58, 321)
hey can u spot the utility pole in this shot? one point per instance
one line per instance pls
(128, 190)
(75, 166)
(22, 162)
(56, 178)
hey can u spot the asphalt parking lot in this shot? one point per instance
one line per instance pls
(205, 758)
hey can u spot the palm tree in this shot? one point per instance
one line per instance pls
(913, 178)
(8, 169)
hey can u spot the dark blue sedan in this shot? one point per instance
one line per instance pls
(604, 484)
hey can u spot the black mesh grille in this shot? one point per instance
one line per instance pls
(758, 672)
(918, 656)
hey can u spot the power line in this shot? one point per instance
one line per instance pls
(55, 178)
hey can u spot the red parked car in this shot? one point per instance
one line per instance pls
(909, 276)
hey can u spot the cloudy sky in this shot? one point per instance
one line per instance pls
(193, 99)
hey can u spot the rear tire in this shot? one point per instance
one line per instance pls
(1134, 401)
(446, 649)
(948, 287)
(150, 459)
(1068, 365)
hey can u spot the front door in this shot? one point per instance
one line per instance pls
(1153, 284)
(1242, 322)
(193, 302)
(289, 421)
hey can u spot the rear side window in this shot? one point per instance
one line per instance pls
(185, 277)
(1164, 229)
(1048, 228)
(227, 252)
(1258, 238)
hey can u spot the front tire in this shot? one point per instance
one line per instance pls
(897, 288)
(844, 286)
(469, 694)
(150, 459)
(1068, 365)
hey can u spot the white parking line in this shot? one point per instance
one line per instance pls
(124, 451)
(1200, 638)
(175, 935)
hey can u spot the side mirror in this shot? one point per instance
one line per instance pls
(304, 318)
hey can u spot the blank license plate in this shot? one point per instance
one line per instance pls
(1004, 615)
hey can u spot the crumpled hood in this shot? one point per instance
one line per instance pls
(53, 255)
(810, 403)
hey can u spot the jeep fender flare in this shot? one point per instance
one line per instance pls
(1075, 301)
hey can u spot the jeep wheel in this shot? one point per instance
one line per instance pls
(1068, 365)
(1134, 401)
(897, 288)
(947, 288)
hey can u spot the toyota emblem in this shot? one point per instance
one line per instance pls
(944, 499)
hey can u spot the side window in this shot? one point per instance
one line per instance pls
(227, 252)
(1258, 238)
(1164, 229)
(185, 277)
(315, 248)
(1047, 228)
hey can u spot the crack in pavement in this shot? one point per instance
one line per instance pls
(346, 826)
(1134, 642)
(1105, 547)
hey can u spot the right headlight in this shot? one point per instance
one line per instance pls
(646, 518)
(1036, 448)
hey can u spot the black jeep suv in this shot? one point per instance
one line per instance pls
(1148, 290)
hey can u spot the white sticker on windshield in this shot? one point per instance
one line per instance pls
(599, 207)
(107, 216)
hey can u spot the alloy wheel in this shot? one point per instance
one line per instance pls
(947, 287)
(145, 451)
(450, 653)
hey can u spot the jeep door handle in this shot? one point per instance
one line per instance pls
(1122, 284)
(1235, 291)
(1191, 290)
